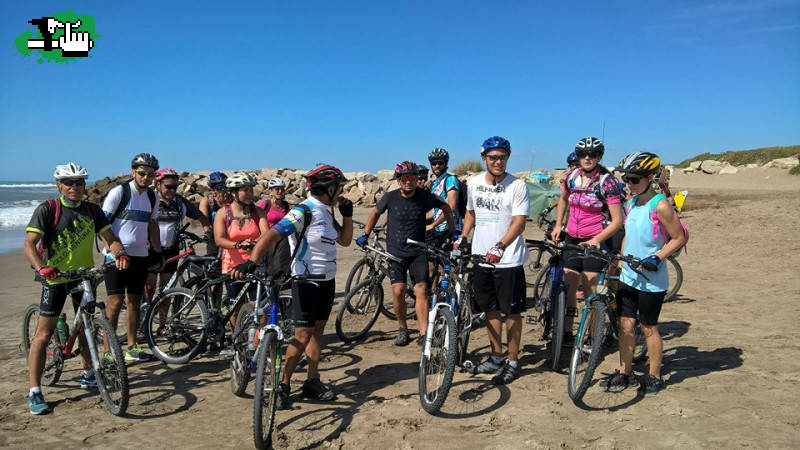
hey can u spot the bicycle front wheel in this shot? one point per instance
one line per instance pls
(240, 375)
(175, 326)
(54, 363)
(112, 375)
(266, 390)
(541, 285)
(675, 278)
(358, 273)
(587, 351)
(436, 370)
(559, 317)
(359, 310)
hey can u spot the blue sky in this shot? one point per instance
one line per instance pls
(364, 84)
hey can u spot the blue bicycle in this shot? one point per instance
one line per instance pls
(550, 297)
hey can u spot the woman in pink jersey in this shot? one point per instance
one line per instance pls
(237, 226)
(275, 206)
(595, 214)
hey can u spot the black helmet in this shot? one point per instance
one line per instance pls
(590, 145)
(144, 159)
(422, 170)
(324, 176)
(439, 154)
(640, 163)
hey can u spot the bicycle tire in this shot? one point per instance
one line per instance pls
(265, 393)
(240, 376)
(357, 274)
(540, 285)
(359, 311)
(592, 336)
(464, 328)
(440, 367)
(387, 307)
(54, 359)
(557, 339)
(29, 321)
(188, 329)
(112, 374)
(675, 286)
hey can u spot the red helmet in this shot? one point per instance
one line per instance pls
(323, 176)
(165, 172)
(405, 168)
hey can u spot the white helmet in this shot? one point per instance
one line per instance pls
(70, 170)
(276, 182)
(239, 179)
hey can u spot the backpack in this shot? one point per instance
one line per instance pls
(462, 197)
(658, 228)
(279, 257)
(126, 198)
(53, 216)
(596, 190)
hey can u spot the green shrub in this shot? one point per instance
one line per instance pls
(473, 165)
(742, 157)
(795, 170)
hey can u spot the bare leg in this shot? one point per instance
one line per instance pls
(314, 349)
(399, 303)
(295, 351)
(133, 302)
(38, 351)
(655, 348)
(494, 327)
(626, 344)
(572, 279)
(514, 335)
(421, 306)
(113, 306)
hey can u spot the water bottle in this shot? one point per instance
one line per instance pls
(251, 333)
(62, 328)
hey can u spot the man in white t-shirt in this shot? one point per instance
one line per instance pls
(132, 209)
(497, 206)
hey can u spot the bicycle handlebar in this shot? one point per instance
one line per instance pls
(80, 273)
(587, 250)
(363, 225)
(453, 255)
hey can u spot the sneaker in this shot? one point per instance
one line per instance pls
(421, 341)
(88, 382)
(652, 385)
(568, 340)
(402, 338)
(136, 354)
(37, 404)
(227, 353)
(489, 366)
(108, 358)
(282, 400)
(316, 390)
(506, 375)
(618, 382)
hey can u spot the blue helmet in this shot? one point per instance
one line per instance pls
(216, 179)
(572, 159)
(495, 142)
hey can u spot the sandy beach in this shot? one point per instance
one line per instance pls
(731, 363)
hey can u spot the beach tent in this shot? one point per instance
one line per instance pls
(541, 195)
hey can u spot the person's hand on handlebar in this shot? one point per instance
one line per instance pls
(556, 234)
(49, 273)
(362, 240)
(238, 272)
(593, 242)
(651, 263)
(121, 261)
(461, 243)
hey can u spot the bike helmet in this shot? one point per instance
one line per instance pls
(640, 163)
(239, 179)
(70, 170)
(405, 168)
(495, 142)
(324, 176)
(439, 154)
(572, 159)
(422, 171)
(216, 179)
(165, 172)
(276, 182)
(144, 159)
(592, 145)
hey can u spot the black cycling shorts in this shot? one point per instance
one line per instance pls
(311, 302)
(573, 261)
(416, 266)
(500, 289)
(647, 304)
(130, 280)
(55, 295)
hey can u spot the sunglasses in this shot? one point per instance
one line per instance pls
(584, 153)
(407, 178)
(78, 182)
(171, 187)
(144, 173)
(438, 163)
(631, 180)
(494, 158)
(220, 188)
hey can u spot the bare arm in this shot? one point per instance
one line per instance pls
(155, 237)
(111, 242)
(669, 218)
(514, 230)
(371, 221)
(469, 222)
(346, 233)
(29, 248)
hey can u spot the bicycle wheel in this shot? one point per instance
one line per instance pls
(387, 307)
(359, 310)
(436, 369)
(464, 328)
(358, 272)
(266, 390)
(559, 317)
(675, 278)
(175, 326)
(112, 375)
(54, 362)
(240, 375)
(541, 285)
(587, 351)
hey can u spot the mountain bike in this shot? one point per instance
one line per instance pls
(270, 342)
(450, 320)
(107, 358)
(675, 278)
(598, 328)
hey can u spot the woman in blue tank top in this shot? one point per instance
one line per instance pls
(652, 233)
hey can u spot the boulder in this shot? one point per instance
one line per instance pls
(751, 166)
(385, 174)
(710, 166)
(783, 163)
(695, 165)
(688, 170)
(728, 170)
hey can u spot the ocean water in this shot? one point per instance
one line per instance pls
(18, 199)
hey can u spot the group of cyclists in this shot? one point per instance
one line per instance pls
(139, 220)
